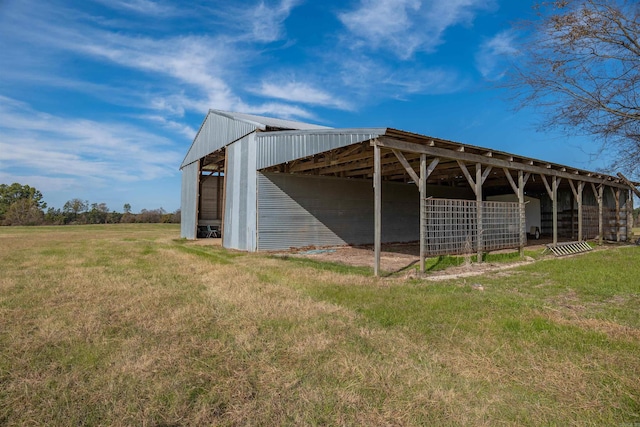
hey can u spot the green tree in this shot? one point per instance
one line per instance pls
(115, 217)
(581, 64)
(150, 216)
(74, 207)
(9, 194)
(24, 212)
(98, 213)
(55, 216)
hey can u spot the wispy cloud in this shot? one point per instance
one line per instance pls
(406, 26)
(495, 53)
(370, 79)
(301, 92)
(144, 7)
(72, 150)
(266, 20)
(194, 63)
(276, 109)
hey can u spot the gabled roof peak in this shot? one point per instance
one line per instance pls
(267, 123)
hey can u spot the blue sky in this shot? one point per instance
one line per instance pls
(101, 99)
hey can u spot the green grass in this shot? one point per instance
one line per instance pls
(335, 267)
(443, 262)
(130, 325)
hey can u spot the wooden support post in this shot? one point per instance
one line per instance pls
(218, 196)
(523, 218)
(377, 207)
(479, 210)
(629, 215)
(198, 198)
(577, 194)
(554, 185)
(423, 210)
(600, 214)
(224, 196)
(580, 220)
(616, 195)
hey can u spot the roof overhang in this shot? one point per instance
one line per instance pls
(351, 156)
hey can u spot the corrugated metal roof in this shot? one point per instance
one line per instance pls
(284, 146)
(221, 128)
(263, 123)
(286, 140)
(217, 131)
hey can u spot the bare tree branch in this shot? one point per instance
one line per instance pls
(581, 62)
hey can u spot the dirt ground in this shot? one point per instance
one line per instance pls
(401, 258)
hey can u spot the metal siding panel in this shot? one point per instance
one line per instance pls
(299, 211)
(232, 174)
(251, 196)
(240, 207)
(189, 200)
(242, 190)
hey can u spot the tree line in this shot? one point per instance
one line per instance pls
(24, 205)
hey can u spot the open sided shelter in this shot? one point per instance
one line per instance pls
(275, 184)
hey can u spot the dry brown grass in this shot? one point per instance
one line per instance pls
(125, 326)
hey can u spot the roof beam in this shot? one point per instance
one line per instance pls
(630, 184)
(491, 161)
(467, 175)
(514, 187)
(486, 173)
(407, 166)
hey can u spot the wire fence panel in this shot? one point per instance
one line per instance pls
(451, 226)
(501, 224)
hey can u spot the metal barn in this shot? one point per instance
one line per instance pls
(272, 184)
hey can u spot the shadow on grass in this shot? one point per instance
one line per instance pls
(335, 267)
(215, 255)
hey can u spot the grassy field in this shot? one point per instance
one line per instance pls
(129, 325)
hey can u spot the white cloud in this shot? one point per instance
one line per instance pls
(144, 7)
(371, 79)
(267, 21)
(79, 150)
(196, 63)
(305, 93)
(277, 109)
(173, 125)
(406, 26)
(494, 54)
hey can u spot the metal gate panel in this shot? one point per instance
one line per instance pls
(451, 226)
